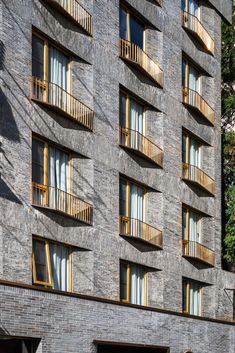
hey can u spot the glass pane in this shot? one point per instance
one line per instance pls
(184, 79)
(137, 32)
(38, 161)
(40, 257)
(122, 110)
(58, 73)
(184, 149)
(193, 7)
(184, 223)
(122, 198)
(184, 296)
(123, 24)
(183, 5)
(123, 281)
(60, 267)
(38, 57)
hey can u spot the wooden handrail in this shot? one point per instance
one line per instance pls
(195, 100)
(196, 175)
(53, 95)
(135, 140)
(135, 55)
(74, 9)
(192, 23)
(196, 250)
(138, 229)
(61, 201)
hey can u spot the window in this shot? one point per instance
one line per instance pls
(192, 293)
(190, 77)
(49, 63)
(50, 175)
(131, 29)
(51, 264)
(17, 345)
(132, 208)
(191, 6)
(133, 284)
(191, 225)
(191, 151)
(131, 113)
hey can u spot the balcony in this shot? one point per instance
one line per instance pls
(195, 250)
(197, 176)
(75, 11)
(141, 145)
(194, 100)
(62, 202)
(57, 99)
(138, 58)
(140, 231)
(192, 24)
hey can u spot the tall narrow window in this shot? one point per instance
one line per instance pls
(132, 284)
(50, 66)
(191, 151)
(51, 264)
(190, 76)
(50, 175)
(132, 208)
(191, 6)
(191, 225)
(131, 28)
(192, 297)
(132, 122)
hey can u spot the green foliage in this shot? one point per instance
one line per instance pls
(228, 110)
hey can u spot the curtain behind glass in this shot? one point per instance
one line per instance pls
(195, 305)
(58, 179)
(195, 155)
(193, 7)
(58, 75)
(193, 85)
(137, 285)
(137, 211)
(136, 124)
(60, 267)
(194, 227)
(123, 24)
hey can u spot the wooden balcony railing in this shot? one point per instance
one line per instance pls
(198, 251)
(195, 100)
(136, 141)
(136, 56)
(199, 177)
(193, 24)
(73, 9)
(61, 101)
(141, 231)
(62, 202)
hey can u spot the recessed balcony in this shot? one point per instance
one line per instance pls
(140, 231)
(141, 145)
(194, 100)
(197, 176)
(141, 60)
(75, 11)
(192, 24)
(197, 251)
(59, 100)
(61, 202)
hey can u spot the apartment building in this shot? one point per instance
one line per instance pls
(111, 178)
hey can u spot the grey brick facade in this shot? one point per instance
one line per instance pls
(71, 323)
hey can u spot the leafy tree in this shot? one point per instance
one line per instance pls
(228, 131)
